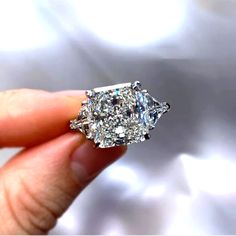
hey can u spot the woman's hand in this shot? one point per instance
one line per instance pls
(38, 184)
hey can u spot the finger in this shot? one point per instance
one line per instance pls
(28, 117)
(40, 183)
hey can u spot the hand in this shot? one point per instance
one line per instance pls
(39, 183)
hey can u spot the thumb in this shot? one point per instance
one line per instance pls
(40, 183)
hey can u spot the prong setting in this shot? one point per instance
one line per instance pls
(165, 106)
(136, 86)
(156, 103)
(74, 124)
(118, 115)
(90, 93)
(151, 127)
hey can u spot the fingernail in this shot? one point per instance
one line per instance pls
(87, 161)
(72, 95)
(71, 92)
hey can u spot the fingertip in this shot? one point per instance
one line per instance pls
(35, 124)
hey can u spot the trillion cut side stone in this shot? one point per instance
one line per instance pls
(118, 115)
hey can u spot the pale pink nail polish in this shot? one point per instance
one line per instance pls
(70, 92)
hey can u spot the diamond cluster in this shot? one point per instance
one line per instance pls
(118, 115)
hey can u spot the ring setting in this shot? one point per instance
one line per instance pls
(118, 115)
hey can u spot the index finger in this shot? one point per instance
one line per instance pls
(29, 117)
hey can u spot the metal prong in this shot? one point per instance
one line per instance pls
(90, 93)
(89, 137)
(156, 102)
(152, 127)
(166, 106)
(74, 124)
(144, 91)
(147, 136)
(136, 85)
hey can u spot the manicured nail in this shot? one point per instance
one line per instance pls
(71, 92)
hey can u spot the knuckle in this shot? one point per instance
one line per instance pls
(28, 213)
(41, 215)
(8, 99)
(9, 210)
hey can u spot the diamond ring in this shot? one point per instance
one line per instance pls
(118, 115)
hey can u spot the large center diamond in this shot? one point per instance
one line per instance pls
(118, 115)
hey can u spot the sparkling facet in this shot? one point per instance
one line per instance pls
(118, 115)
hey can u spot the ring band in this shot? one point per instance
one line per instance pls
(118, 115)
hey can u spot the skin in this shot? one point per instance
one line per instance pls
(40, 182)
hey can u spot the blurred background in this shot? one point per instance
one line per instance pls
(183, 180)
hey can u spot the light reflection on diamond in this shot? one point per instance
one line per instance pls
(119, 115)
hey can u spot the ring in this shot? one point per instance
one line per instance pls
(118, 115)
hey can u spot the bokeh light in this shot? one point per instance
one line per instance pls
(131, 23)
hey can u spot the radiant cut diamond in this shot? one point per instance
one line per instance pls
(118, 115)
